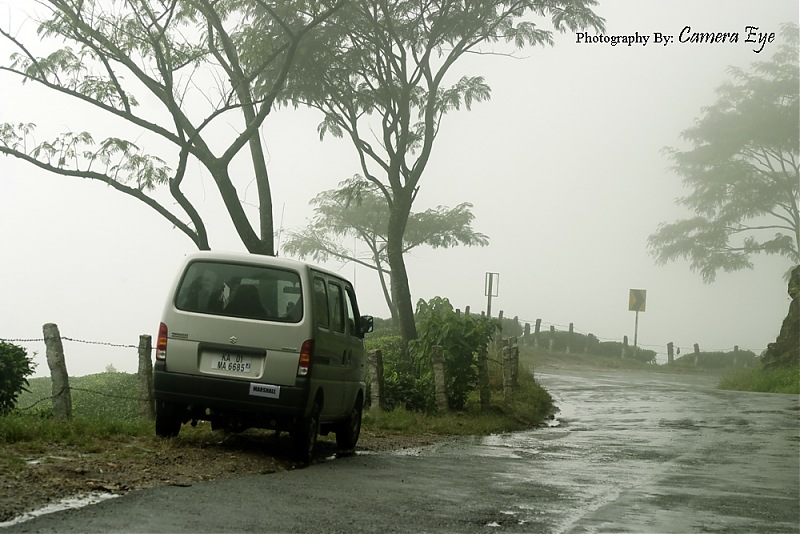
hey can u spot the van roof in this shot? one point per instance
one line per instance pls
(260, 259)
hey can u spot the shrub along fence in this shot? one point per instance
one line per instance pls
(377, 379)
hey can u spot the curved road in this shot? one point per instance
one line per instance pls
(629, 453)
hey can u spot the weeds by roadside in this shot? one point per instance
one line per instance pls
(780, 380)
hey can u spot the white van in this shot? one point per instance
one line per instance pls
(257, 341)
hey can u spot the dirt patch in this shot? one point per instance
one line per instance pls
(55, 473)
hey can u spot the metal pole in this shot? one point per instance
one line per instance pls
(636, 331)
(489, 303)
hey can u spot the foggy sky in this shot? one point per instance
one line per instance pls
(563, 166)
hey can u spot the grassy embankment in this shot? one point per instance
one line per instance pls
(105, 409)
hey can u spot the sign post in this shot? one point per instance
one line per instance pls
(637, 301)
(491, 290)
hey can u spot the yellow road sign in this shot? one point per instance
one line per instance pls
(637, 300)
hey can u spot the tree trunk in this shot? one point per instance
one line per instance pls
(386, 290)
(401, 291)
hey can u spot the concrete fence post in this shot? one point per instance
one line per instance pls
(513, 343)
(483, 379)
(670, 352)
(569, 337)
(589, 343)
(147, 407)
(624, 346)
(62, 397)
(508, 382)
(440, 393)
(376, 396)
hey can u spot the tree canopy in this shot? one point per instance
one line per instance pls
(186, 56)
(742, 170)
(358, 210)
(384, 77)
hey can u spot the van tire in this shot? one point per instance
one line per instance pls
(168, 423)
(348, 429)
(304, 436)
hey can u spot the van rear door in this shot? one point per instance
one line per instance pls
(237, 320)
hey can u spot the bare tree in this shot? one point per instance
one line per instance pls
(186, 55)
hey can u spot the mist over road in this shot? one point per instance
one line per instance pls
(630, 452)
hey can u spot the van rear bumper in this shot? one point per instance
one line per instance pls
(199, 393)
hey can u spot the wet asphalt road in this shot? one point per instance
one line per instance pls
(631, 453)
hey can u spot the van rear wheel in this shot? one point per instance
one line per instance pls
(168, 422)
(348, 429)
(304, 436)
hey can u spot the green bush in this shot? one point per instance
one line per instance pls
(717, 360)
(15, 368)
(581, 343)
(460, 336)
(403, 386)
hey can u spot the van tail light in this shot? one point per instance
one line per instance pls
(161, 344)
(304, 367)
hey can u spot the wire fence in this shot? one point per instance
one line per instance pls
(72, 389)
(74, 340)
(659, 349)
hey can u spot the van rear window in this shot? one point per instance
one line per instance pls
(238, 290)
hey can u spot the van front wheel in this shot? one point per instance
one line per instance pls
(349, 428)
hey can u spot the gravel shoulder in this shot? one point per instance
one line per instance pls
(51, 474)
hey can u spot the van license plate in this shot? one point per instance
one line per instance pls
(232, 363)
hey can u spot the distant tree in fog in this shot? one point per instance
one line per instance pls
(358, 211)
(742, 170)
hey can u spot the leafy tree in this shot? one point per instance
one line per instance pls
(184, 55)
(743, 170)
(384, 80)
(461, 338)
(341, 214)
(15, 368)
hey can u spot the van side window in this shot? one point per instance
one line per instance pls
(337, 308)
(321, 303)
(351, 314)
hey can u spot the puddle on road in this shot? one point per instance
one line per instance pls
(64, 504)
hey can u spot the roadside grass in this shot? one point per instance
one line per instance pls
(784, 380)
(531, 406)
(105, 410)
